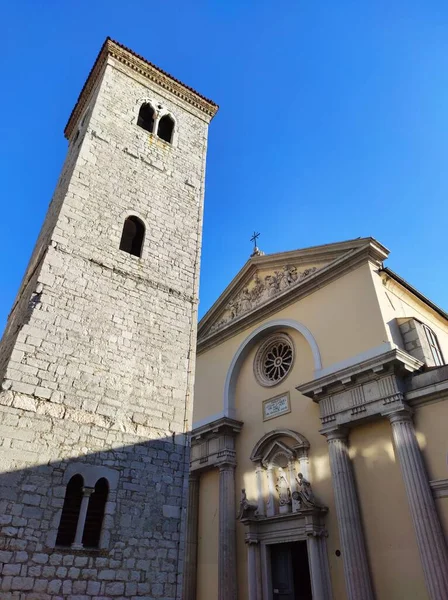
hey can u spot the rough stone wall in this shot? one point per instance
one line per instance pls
(98, 356)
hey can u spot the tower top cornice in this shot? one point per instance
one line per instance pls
(134, 61)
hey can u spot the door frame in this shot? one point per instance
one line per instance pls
(282, 529)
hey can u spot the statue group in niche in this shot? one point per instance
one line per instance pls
(262, 290)
(301, 498)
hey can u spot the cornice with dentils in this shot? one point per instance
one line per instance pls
(145, 68)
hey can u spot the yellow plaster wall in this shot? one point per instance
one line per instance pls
(431, 422)
(208, 528)
(303, 418)
(344, 317)
(397, 302)
(393, 554)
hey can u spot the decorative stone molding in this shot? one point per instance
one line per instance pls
(331, 262)
(214, 444)
(307, 526)
(258, 291)
(363, 390)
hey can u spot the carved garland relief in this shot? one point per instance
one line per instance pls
(259, 291)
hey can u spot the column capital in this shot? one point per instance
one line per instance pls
(402, 415)
(87, 491)
(226, 465)
(335, 433)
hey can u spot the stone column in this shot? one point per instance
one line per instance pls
(259, 473)
(270, 505)
(191, 551)
(430, 538)
(227, 583)
(354, 553)
(86, 493)
(254, 569)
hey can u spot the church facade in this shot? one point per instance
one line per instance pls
(97, 359)
(319, 445)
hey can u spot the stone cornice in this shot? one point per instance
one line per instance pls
(399, 359)
(213, 445)
(222, 425)
(140, 65)
(344, 256)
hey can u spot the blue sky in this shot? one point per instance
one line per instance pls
(333, 122)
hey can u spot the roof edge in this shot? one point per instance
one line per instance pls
(414, 291)
(142, 66)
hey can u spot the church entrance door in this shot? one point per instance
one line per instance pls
(290, 574)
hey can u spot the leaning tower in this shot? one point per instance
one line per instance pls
(97, 359)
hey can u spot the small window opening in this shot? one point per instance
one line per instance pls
(166, 128)
(132, 236)
(434, 346)
(95, 514)
(146, 117)
(70, 512)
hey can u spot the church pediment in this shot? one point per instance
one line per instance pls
(272, 280)
(261, 287)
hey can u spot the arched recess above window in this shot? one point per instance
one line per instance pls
(70, 511)
(132, 236)
(146, 117)
(165, 129)
(95, 514)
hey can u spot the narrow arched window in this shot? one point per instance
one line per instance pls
(146, 117)
(132, 236)
(70, 511)
(166, 128)
(95, 514)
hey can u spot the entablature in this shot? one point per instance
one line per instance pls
(213, 444)
(367, 389)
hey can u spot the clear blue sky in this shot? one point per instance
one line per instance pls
(333, 122)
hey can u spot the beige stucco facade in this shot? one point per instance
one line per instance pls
(354, 328)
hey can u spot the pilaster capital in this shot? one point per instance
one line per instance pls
(226, 466)
(194, 477)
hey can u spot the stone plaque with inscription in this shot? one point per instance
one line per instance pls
(274, 407)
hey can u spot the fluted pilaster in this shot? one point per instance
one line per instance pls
(430, 538)
(320, 572)
(356, 566)
(191, 550)
(227, 583)
(254, 570)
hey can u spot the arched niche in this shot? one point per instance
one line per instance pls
(253, 338)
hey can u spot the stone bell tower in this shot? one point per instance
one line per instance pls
(97, 359)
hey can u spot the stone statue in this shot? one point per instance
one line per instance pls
(284, 493)
(247, 510)
(305, 493)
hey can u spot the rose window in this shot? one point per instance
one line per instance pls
(274, 360)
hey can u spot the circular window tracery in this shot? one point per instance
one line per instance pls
(274, 359)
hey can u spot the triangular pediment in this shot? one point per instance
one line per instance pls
(266, 279)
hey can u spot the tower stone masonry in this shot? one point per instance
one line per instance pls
(97, 360)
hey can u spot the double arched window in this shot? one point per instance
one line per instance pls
(132, 236)
(82, 514)
(147, 121)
